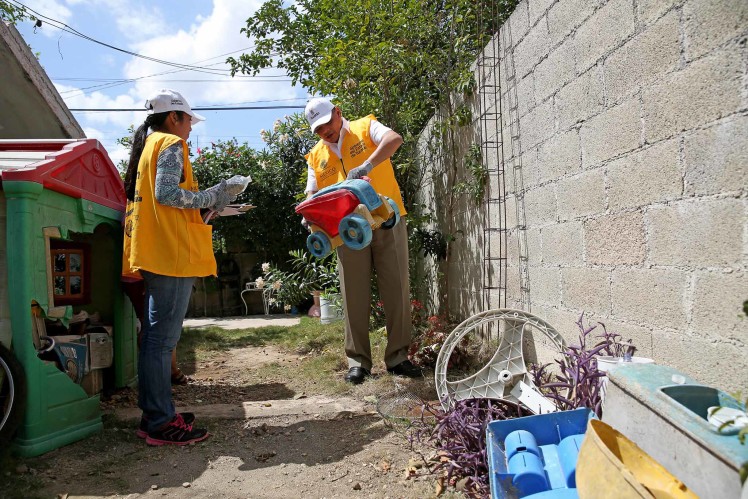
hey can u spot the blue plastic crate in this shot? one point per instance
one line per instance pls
(536, 456)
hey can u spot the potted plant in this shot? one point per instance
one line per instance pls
(307, 276)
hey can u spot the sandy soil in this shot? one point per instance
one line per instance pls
(268, 441)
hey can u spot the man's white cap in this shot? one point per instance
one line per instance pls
(318, 112)
(170, 100)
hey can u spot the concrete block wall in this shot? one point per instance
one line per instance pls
(633, 156)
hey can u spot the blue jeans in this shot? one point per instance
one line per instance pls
(166, 302)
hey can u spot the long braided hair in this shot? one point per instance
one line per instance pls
(153, 121)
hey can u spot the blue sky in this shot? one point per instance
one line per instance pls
(197, 33)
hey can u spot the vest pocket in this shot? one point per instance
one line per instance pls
(201, 242)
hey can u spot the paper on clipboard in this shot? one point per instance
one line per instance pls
(235, 209)
(228, 211)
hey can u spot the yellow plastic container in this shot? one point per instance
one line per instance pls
(612, 466)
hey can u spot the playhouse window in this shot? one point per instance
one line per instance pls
(70, 269)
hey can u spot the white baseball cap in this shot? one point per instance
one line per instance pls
(318, 112)
(170, 100)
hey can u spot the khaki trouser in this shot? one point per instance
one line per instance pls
(388, 254)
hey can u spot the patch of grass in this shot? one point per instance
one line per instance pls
(306, 337)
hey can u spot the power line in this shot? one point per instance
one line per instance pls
(68, 29)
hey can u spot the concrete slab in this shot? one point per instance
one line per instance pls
(311, 406)
(247, 322)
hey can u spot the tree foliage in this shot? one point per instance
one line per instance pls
(398, 60)
(272, 229)
(11, 13)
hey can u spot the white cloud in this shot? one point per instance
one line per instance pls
(56, 11)
(203, 44)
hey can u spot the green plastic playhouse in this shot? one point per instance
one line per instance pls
(61, 206)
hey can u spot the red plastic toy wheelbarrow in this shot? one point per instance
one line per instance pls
(346, 213)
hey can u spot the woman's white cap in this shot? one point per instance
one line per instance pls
(166, 100)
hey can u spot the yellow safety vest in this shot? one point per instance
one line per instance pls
(163, 239)
(356, 148)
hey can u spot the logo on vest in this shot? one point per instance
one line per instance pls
(357, 148)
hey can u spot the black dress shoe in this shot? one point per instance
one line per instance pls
(407, 369)
(356, 375)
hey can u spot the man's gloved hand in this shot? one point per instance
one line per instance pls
(222, 196)
(305, 224)
(236, 184)
(360, 171)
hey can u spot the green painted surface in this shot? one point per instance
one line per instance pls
(59, 411)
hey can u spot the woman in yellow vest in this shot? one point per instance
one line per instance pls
(349, 150)
(168, 244)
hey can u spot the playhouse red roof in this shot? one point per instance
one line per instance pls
(78, 168)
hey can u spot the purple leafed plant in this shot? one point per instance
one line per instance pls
(578, 380)
(459, 436)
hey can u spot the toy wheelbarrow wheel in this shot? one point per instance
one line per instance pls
(318, 244)
(12, 394)
(395, 219)
(355, 231)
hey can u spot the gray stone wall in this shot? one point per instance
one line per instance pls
(632, 167)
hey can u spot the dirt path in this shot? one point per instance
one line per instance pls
(261, 447)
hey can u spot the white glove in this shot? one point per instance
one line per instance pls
(360, 171)
(305, 224)
(236, 184)
(222, 196)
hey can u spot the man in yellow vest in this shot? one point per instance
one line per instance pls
(350, 150)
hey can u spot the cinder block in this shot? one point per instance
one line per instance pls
(581, 195)
(530, 170)
(580, 99)
(697, 233)
(537, 8)
(511, 211)
(519, 23)
(540, 206)
(710, 23)
(650, 296)
(603, 31)
(564, 17)
(559, 156)
(644, 177)
(563, 244)
(641, 337)
(586, 288)
(714, 363)
(613, 132)
(525, 96)
(716, 158)
(705, 90)
(534, 246)
(648, 11)
(537, 125)
(555, 71)
(532, 48)
(643, 59)
(718, 306)
(545, 285)
(564, 321)
(615, 240)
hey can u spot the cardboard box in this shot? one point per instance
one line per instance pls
(100, 351)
